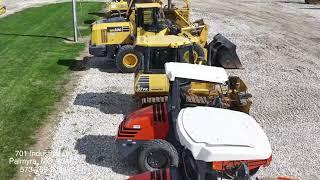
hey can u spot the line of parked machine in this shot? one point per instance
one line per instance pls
(193, 119)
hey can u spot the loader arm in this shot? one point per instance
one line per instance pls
(130, 4)
(179, 16)
(186, 1)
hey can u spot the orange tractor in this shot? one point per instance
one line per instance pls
(208, 139)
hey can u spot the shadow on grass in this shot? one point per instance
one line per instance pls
(89, 21)
(108, 102)
(99, 14)
(101, 150)
(103, 64)
(36, 36)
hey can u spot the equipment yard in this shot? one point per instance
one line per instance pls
(278, 43)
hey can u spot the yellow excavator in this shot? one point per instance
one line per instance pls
(2, 8)
(143, 20)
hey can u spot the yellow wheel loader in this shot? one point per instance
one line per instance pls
(151, 83)
(150, 78)
(2, 8)
(179, 17)
(111, 36)
(117, 37)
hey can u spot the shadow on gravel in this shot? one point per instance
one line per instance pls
(101, 63)
(292, 2)
(101, 150)
(109, 102)
(311, 8)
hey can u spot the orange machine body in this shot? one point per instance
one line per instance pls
(146, 123)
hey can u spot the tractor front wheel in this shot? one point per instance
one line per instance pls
(128, 59)
(197, 53)
(232, 174)
(157, 154)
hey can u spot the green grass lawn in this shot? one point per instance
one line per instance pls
(31, 80)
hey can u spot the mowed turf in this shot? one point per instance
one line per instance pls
(31, 79)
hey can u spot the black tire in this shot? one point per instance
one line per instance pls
(123, 51)
(253, 171)
(189, 165)
(165, 153)
(199, 50)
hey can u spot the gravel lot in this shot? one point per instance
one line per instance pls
(279, 45)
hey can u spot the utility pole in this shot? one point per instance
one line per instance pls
(75, 23)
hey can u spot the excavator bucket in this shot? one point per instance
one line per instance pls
(222, 53)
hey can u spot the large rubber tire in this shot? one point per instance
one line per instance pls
(252, 172)
(199, 50)
(189, 165)
(157, 154)
(125, 52)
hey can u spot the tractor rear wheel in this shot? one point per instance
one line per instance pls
(128, 59)
(157, 154)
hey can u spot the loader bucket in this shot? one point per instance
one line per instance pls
(222, 53)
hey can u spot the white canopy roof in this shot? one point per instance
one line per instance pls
(195, 72)
(215, 134)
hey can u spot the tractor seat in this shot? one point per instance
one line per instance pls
(214, 134)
